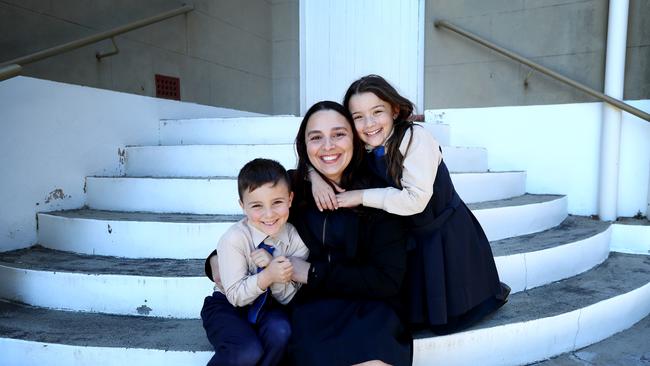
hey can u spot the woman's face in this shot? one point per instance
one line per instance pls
(328, 137)
(373, 118)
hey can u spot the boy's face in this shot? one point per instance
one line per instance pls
(267, 207)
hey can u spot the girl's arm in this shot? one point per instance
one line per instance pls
(324, 195)
(419, 172)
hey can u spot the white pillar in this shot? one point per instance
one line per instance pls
(611, 124)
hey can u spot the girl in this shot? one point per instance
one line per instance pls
(452, 280)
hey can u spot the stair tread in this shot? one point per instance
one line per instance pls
(44, 259)
(572, 229)
(87, 213)
(619, 274)
(526, 199)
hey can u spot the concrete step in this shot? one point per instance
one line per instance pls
(550, 320)
(64, 280)
(152, 235)
(68, 281)
(226, 160)
(534, 325)
(213, 195)
(627, 348)
(249, 130)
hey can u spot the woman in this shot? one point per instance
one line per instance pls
(347, 310)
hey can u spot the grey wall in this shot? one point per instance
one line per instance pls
(568, 36)
(286, 57)
(224, 51)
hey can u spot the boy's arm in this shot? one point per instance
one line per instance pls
(240, 286)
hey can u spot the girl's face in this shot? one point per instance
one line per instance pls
(328, 137)
(373, 118)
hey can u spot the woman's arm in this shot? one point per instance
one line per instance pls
(419, 172)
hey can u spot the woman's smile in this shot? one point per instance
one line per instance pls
(329, 143)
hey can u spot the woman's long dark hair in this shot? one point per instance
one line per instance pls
(349, 178)
(403, 107)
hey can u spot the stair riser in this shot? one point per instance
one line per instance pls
(524, 271)
(178, 297)
(219, 196)
(26, 353)
(527, 342)
(131, 239)
(255, 130)
(506, 222)
(135, 239)
(227, 160)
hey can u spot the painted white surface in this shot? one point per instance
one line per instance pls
(227, 160)
(219, 195)
(524, 271)
(559, 148)
(506, 222)
(208, 131)
(16, 352)
(482, 187)
(344, 40)
(55, 134)
(526, 342)
(176, 297)
(634, 239)
(131, 239)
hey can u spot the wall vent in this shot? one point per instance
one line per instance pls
(168, 87)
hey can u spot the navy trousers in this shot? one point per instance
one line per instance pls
(237, 342)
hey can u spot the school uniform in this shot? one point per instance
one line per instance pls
(243, 329)
(452, 280)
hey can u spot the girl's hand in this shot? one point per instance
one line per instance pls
(350, 199)
(261, 257)
(324, 195)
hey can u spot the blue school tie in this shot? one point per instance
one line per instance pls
(379, 151)
(256, 307)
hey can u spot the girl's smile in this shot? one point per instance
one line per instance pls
(373, 118)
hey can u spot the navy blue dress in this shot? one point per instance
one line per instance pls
(348, 312)
(451, 279)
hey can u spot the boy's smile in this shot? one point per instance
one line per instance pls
(267, 207)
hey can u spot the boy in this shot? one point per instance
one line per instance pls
(252, 274)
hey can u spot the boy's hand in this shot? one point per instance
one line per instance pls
(261, 258)
(350, 198)
(324, 195)
(279, 270)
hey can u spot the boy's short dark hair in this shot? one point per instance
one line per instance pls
(259, 172)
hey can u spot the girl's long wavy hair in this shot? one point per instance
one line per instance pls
(403, 107)
(350, 177)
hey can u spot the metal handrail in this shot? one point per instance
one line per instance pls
(605, 98)
(11, 68)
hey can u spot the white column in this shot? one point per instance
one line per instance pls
(611, 124)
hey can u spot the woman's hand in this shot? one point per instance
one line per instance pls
(350, 198)
(300, 269)
(261, 257)
(324, 195)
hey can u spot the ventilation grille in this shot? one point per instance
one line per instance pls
(168, 87)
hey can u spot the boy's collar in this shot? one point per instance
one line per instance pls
(258, 236)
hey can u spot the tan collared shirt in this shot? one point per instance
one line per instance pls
(238, 271)
(420, 166)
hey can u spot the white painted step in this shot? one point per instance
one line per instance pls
(219, 194)
(64, 280)
(248, 130)
(533, 326)
(227, 160)
(149, 235)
